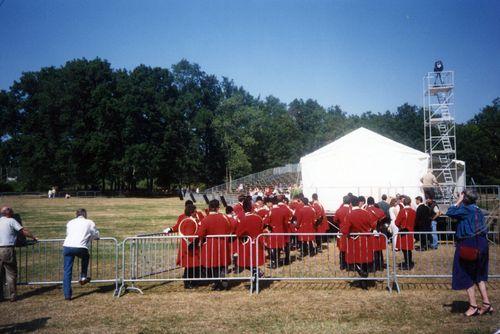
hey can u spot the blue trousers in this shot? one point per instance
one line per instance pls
(69, 254)
(434, 235)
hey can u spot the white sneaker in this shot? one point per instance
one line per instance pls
(84, 280)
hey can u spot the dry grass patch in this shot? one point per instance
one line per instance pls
(169, 309)
(116, 217)
(282, 307)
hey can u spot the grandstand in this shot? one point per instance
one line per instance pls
(281, 178)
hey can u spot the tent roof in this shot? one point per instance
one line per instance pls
(362, 139)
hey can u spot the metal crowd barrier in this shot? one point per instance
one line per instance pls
(42, 263)
(437, 263)
(194, 260)
(161, 258)
(307, 261)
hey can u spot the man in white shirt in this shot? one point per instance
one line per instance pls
(9, 228)
(429, 182)
(79, 235)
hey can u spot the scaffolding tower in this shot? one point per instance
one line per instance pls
(439, 131)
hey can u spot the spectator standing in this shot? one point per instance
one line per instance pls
(9, 229)
(79, 234)
(435, 213)
(429, 182)
(384, 206)
(471, 234)
(422, 223)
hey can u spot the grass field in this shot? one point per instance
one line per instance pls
(283, 307)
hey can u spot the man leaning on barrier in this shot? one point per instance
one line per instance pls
(9, 230)
(79, 234)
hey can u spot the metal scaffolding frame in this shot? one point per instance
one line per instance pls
(439, 130)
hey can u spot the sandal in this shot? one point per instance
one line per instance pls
(488, 310)
(476, 312)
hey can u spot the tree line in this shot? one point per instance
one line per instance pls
(86, 125)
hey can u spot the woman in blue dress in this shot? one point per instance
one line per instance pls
(471, 232)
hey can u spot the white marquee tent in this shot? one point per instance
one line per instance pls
(364, 163)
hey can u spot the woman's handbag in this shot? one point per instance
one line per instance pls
(470, 253)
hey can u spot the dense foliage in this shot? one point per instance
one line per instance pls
(86, 125)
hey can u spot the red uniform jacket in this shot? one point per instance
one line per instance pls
(215, 251)
(262, 212)
(199, 216)
(359, 248)
(306, 217)
(234, 223)
(290, 228)
(377, 215)
(238, 211)
(320, 214)
(233, 242)
(251, 226)
(278, 220)
(339, 218)
(295, 206)
(405, 220)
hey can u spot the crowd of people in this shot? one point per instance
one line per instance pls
(276, 225)
(366, 228)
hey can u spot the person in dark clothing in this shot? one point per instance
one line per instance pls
(383, 205)
(423, 223)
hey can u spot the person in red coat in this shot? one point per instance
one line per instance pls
(339, 219)
(199, 216)
(359, 251)
(261, 208)
(188, 255)
(233, 241)
(277, 220)
(322, 225)
(288, 213)
(233, 220)
(247, 232)
(215, 251)
(379, 240)
(306, 218)
(405, 221)
(296, 205)
(238, 207)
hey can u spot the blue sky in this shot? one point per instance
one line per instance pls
(361, 55)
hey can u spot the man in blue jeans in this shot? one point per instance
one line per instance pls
(435, 213)
(79, 234)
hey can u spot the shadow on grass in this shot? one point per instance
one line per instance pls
(156, 285)
(24, 327)
(457, 306)
(37, 291)
(97, 289)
